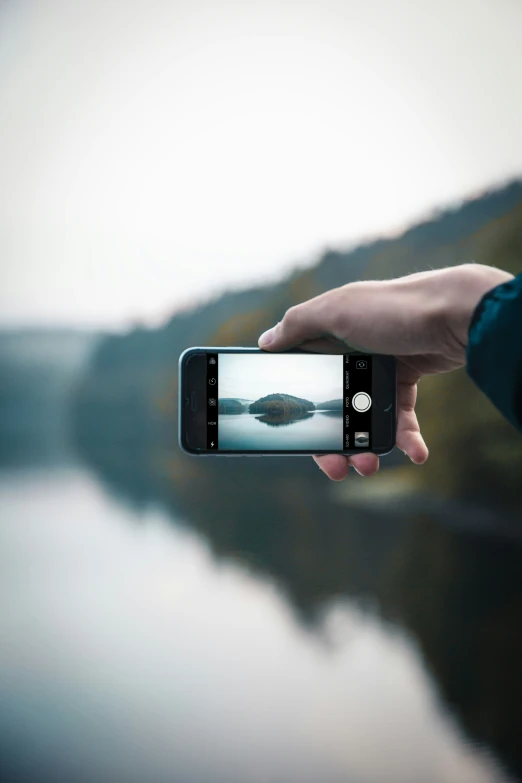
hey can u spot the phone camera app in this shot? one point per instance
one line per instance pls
(361, 364)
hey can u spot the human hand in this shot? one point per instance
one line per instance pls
(421, 319)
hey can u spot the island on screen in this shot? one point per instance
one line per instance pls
(289, 402)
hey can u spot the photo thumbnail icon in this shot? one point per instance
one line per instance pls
(362, 439)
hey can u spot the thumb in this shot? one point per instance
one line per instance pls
(303, 322)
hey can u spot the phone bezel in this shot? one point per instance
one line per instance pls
(182, 439)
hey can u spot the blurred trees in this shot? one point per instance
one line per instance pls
(281, 405)
(129, 390)
(423, 558)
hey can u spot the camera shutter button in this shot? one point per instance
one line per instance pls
(361, 402)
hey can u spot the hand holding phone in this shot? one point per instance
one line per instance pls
(422, 320)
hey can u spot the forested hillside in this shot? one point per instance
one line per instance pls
(38, 370)
(424, 546)
(129, 391)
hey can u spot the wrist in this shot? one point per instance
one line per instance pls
(469, 284)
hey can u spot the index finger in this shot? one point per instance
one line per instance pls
(307, 321)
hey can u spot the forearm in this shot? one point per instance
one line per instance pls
(471, 282)
(494, 351)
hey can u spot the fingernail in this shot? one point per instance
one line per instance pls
(267, 337)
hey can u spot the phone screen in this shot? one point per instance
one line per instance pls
(263, 402)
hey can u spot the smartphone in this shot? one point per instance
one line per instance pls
(244, 401)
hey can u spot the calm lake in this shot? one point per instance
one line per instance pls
(318, 430)
(134, 648)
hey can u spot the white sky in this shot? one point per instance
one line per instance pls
(316, 378)
(154, 152)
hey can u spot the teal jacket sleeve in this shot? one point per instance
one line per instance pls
(494, 354)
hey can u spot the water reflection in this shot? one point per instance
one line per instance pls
(153, 605)
(283, 431)
(129, 648)
(274, 420)
(431, 568)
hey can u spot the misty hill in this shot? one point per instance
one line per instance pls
(236, 318)
(330, 405)
(38, 369)
(281, 405)
(232, 405)
(293, 527)
(129, 391)
(39, 366)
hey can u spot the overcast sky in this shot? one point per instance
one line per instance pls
(155, 152)
(315, 378)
